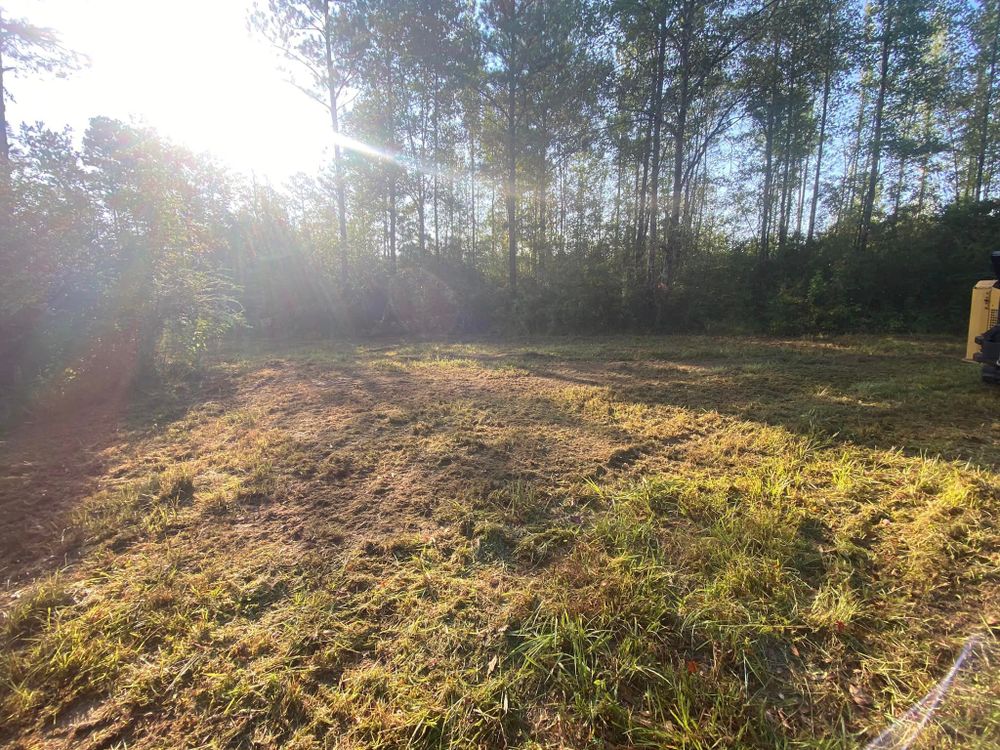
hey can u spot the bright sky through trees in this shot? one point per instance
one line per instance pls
(189, 67)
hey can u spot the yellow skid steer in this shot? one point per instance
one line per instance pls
(983, 344)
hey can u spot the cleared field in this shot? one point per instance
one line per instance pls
(680, 542)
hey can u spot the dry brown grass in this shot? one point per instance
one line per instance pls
(630, 541)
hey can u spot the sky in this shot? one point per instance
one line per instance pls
(189, 68)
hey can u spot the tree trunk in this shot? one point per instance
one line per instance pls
(385, 223)
(422, 217)
(827, 82)
(849, 182)
(984, 122)
(702, 195)
(451, 215)
(766, 199)
(4, 143)
(900, 177)
(562, 208)
(924, 165)
(511, 201)
(493, 221)
(579, 213)
(421, 197)
(437, 245)
(785, 203)
(337, 154)
(543, 208)
(511, 187)
(641, 223)
(873, 175)
(803, 182)
(472, 193)
(392, 222)
(619, 180)
(673, 239)
(654, 197)
(633, 259)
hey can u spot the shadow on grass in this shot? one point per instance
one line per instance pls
(439, 574)
(51, 457)
(919, 403)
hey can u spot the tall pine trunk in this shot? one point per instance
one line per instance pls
(338, 158)
(4, 143)
(803, 182)
(421, 197)
(924, 164)
(641, 223)
(654, 196)
(510, 196)
(767, 199)
(437, 244)
(785, 203)
(392, 220)
(868, 206)
(511, 203)
(672, 254)
(472, 195)
(984, 120)
(827, 82)
(543, 207)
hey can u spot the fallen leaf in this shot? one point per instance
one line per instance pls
(692, 666)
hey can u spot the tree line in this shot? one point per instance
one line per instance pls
(536, 166)
(645, 131)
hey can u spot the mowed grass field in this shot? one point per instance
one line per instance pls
(682, 542)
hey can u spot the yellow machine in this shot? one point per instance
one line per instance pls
(983, 344)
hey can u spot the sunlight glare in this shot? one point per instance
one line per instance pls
(190, 68)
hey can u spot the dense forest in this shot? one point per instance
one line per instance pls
(527, 166)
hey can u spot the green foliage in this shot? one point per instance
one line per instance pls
(113, 256)
(916, 275)
(198, 309)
